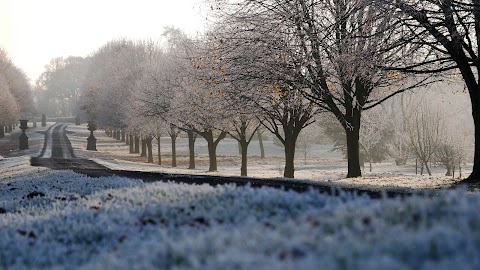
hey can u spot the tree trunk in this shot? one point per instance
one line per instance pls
(473, 91)
(239, 148)
(119, 135)
(428, 169)
(144, 148)
(191, 149)
(244, 150)
(353, 152)
(260, 142)
(159, 150)
(123, 135)
(289, 171)
(127, 139)
(370, 165)
(474, 177)
(449, 171)
(114, 134)
(148, 142)
(305, 155)
(2, 130)
(416, 166)
(131, 144)
(174, 150)
(212, 149)
(137, 144)
(459, 169)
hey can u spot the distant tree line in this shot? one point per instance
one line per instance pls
(16, 100)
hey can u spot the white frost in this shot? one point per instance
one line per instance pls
(113, 222)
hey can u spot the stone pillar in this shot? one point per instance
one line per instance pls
(23, 137)
(91, 140)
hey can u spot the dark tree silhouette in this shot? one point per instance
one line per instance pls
(444, 36)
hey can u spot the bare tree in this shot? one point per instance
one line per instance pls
(58, 89)
(400, 113)
(307, 138)
(244, 123)
(9, 110)
(447, 156)
(16, 99)
(375, 135)
(154, 92)
(329, 50)
(112, 75)
(285, 117)
(254, 71)
(425, 133)
(203, 113)
(445, 36)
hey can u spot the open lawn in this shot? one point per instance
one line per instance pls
(64, 220)
(321, 164)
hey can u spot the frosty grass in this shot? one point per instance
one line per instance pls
(118, 223)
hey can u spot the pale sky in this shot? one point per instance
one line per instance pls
(35, 31)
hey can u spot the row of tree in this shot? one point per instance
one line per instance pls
(280, 63)
(350, 56)
(147, 90)
(16, 100)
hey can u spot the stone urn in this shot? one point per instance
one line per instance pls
(91, 140)
(23, 137)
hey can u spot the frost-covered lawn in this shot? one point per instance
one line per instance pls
(321, 166)
(9, 145)
(62, 220)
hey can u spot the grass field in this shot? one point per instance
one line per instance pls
(63, 220)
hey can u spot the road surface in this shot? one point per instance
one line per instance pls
(57, 153)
